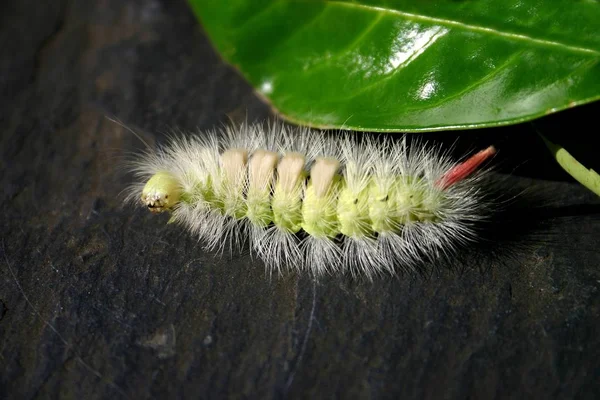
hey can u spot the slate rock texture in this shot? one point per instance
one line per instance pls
(98, 300)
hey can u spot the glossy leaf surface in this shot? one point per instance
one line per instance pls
(411, 65)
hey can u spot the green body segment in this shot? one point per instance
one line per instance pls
(201, 192)
(373, 210)
(230, 199)
(353, 213)
(416, 201)
(383, 210)
(405, 201)
(319, 214)
(287, 208)
(259, 210)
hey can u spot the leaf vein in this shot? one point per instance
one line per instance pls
(472, 28)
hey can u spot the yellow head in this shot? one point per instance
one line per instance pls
(161, 192)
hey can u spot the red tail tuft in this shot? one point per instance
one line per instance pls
(464, 169)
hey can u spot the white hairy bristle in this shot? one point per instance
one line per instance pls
(312, 200)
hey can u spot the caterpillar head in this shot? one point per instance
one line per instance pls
(161, 193)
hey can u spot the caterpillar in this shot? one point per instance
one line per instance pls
(314, 201)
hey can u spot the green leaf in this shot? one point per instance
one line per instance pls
(411, 65)
(587, 177)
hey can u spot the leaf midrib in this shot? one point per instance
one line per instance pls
(468, 27)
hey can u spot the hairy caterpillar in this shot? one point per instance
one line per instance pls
(308, 200)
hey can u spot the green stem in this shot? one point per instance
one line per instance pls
(586, 176)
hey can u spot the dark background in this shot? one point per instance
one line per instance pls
(102, 301)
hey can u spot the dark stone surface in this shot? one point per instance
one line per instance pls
(101, 301)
